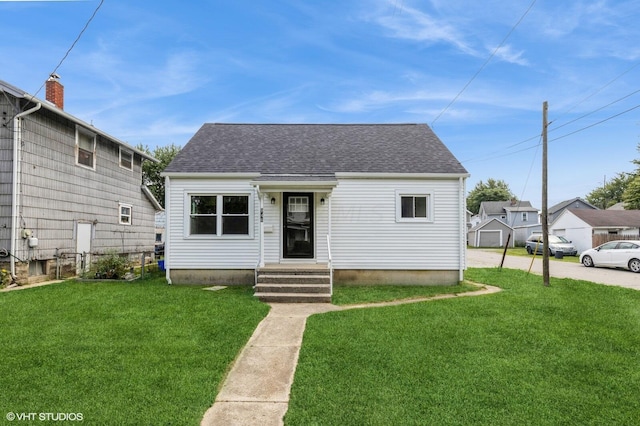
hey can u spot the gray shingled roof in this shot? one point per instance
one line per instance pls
(565, 203)
(318, 149)
(499, 207)
(609, 218)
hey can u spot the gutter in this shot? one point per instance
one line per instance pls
(17, 138)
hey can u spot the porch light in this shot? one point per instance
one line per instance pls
(322, 201)
(273, 200)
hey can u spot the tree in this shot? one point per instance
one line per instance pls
(611, 192)
(493, 190)
(151, 171)
(631, 195)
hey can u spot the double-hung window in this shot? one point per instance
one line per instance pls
(85, 148)
(126, 159)
(219, 215)
(125, 213)
(413, 207)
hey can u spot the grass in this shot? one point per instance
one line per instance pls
(121, 353)
(565, 354)
(521, 251)
(349, 295)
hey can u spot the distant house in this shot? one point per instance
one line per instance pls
(513, 212)
(69, 190)
(575, 203)
(617, 206)
(491, 233)
(520, 216)
(588, 228)
(371, 203)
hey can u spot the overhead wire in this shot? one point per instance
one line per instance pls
(486, 62)
(95, 12)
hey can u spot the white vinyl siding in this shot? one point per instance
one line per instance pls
(366, 235)
(204, 251)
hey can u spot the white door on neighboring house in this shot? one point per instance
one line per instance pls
(83, 245)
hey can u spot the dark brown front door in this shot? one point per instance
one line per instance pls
(298, 225)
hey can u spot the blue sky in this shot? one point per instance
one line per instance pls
(152, 72)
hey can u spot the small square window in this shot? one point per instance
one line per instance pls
(125, 214)
(126, 159)
(413, 207)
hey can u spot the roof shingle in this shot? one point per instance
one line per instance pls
(317, 149)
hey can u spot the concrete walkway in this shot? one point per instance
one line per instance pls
(256, 390)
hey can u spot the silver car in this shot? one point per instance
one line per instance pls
(614, 254)
(556, 244)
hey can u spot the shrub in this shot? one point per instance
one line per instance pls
(111, 265)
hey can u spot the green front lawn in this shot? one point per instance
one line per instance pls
(521, 251)
(121, 353)
(565, 354)
(350, 295)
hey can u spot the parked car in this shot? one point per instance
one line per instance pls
(614, 254)
(556, 244)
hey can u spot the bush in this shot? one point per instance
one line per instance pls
(111, 265)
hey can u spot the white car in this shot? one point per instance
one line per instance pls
(614, 254)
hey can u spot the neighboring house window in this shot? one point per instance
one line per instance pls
(207, 218)
(158, 237)
(85, 148)
(126, 159)
(525, 216)
(413, 207)
(125, 214)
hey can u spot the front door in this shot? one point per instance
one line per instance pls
(298, 225)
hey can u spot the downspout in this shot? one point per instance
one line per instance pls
(463, 233)
(167, 234)
(261, 237)
(17, 139)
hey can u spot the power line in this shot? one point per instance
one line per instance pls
(596, 123)
(485, 63)
(95, 12)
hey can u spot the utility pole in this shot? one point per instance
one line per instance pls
(545, 221)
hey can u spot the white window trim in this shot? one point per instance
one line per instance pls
(525, 216)
(86, 132)
(429, 197)
(219, 203)
(128, 153)
(120, 215)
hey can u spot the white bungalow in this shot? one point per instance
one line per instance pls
(364, 204)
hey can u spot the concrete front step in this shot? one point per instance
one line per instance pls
(293, 279)
(293, 288)
(293, 297)
(294, 284)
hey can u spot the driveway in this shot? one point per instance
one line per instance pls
(618, 277)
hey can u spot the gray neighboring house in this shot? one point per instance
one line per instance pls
(369, 203)
(67, 188)
(490, 233)
(575, 203)
(520, 216)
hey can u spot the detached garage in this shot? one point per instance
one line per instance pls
(490, 233)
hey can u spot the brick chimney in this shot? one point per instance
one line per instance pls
(55, 91)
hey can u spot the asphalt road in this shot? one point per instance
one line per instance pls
(618, 277)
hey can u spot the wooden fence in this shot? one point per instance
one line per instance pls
(598, 239)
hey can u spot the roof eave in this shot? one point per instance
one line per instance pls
(49, 106)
